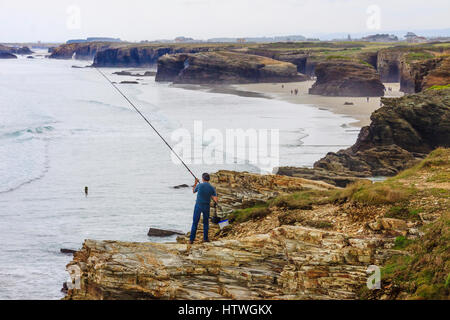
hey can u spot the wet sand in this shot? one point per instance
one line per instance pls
(361, 110)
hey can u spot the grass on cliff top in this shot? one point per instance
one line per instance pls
(303, 200)
(256, 212)
(425, 272)
(395, 191)
(369, 193)
(439, 87)
(438, 161)
(418, 56)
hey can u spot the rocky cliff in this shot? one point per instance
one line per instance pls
(81, 51)
(142, 55)
(224, 67)
(413, 66)
(309, 242)
(347, 79)
(419, 75)
(404, 129)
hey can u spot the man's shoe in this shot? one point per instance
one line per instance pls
(206, 241)
(191, 242)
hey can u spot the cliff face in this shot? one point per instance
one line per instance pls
(439, 76)
(80, 51)
(412, 75)
(139, 56)
(417, 76)
(401, 130)
(388, 64)
(347, 79)
(413, 66)
(224, 67)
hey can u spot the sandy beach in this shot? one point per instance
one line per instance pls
(360, 110)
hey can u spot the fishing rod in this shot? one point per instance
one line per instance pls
(148, 122)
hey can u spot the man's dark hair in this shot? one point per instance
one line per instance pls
(206, 177)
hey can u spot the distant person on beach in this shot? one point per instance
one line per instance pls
(86, 191)
(205, 191)
(368, 99)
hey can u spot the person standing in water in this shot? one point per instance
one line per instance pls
(205, 191)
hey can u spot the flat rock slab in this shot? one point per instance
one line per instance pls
(67, 251)
(153, 232)
(181, 186)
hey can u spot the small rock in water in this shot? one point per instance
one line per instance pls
(68, 251)
(129, 82)
(181, 186)
(349, 104)
(123, 73)
(153, 232)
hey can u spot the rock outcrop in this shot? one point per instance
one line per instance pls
(5, 50)
(224, 67)
(347, 79)
(403, 130)
(336, 178)
(23, 51)
(243, 189)
(7, 55)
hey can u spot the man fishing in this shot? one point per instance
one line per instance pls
(205, 191)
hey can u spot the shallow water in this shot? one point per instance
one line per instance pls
(62, 129)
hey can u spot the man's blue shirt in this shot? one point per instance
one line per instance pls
(204, 193)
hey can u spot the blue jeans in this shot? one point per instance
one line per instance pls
(199, 209)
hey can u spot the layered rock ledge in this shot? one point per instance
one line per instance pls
(219, 67)
(290, 262)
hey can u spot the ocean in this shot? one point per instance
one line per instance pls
(64, 128)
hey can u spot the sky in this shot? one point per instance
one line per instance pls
(135, 20)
